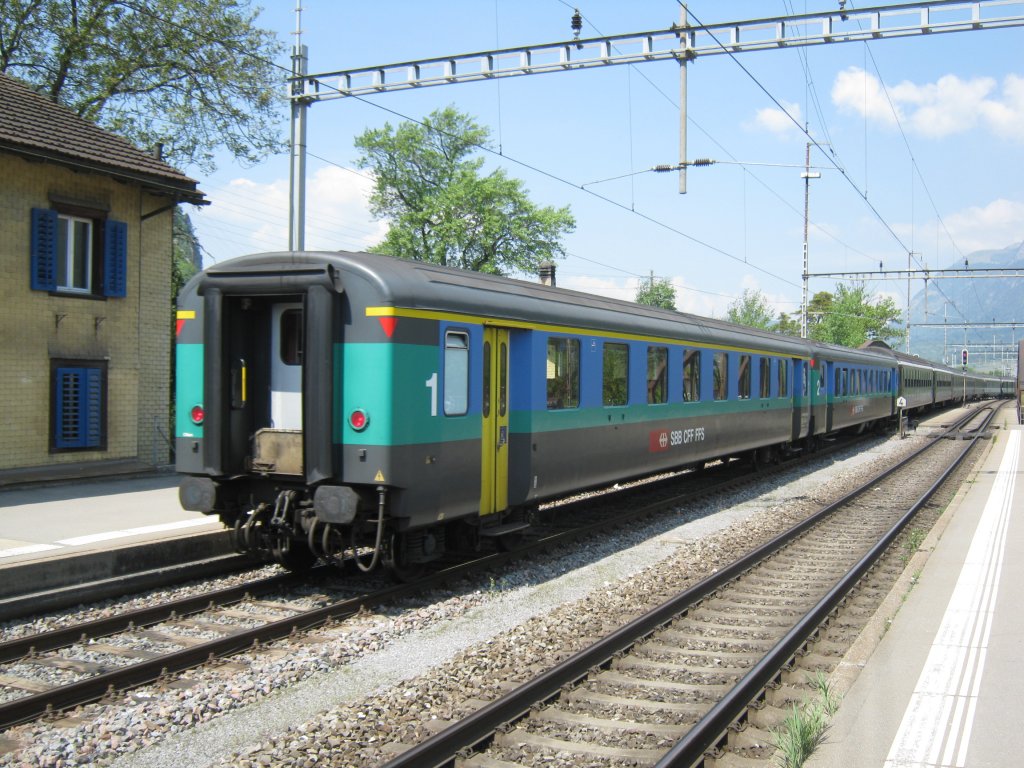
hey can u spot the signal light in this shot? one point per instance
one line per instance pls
(197, 414)
(358, 419)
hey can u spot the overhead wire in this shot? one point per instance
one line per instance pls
(913, 160)
(523, 164)
(814, 142)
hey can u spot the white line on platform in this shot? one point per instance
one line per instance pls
(936, 727)
(78, 541)
(29, 549)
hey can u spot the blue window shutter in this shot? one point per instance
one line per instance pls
(68, 426)
(79, 408)
(92, 407)
(43, 249)
(115, 259)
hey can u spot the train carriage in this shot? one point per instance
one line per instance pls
(333, 401)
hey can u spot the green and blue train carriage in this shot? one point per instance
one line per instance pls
(335, 400)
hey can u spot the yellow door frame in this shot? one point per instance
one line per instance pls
(494, 436)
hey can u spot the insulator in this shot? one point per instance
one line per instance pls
(577, 23)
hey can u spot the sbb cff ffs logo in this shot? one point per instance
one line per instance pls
(663, 439)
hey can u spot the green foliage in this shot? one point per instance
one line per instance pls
(656, 293)
(790, 326)
(443, 211)
(192, 75)
(805, 727)
(751, 309)
(852, 316)
(185, 253)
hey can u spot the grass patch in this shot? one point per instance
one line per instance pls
(805, 727)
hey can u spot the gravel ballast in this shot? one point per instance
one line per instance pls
(341, 693)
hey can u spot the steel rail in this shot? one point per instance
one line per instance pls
(440, 750)
(12, 650)
(691, 748)
(93, 688)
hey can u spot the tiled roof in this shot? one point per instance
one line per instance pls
(33, 125)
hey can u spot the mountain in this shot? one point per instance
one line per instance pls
(981, 300)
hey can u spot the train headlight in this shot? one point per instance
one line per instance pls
(358, 419)
(197, 414)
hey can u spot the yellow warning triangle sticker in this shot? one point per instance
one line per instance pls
(379, 477)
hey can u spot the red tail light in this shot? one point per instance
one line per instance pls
(197, 414)
(358, 419)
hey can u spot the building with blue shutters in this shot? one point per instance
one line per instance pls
(85, 293)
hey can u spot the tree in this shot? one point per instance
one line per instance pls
(853, 315)
(186, 260)
(656, 293)
(190, 75)
(788, 325)
(443, 211)
(751, 309)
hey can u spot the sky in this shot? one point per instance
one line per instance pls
(921, 146)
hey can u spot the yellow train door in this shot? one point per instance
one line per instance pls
(494, 442)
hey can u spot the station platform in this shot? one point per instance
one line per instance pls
(935, 681)
(54, 538)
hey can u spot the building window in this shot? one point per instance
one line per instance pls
(657, 375)
(79, 405)
(615, 388)
(563, 373)
(691, 375)
(74, 253)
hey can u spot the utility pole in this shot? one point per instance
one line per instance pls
(300, 104)
(807, 175)
(684, 45)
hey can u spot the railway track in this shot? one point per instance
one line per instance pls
(140, 646)
(680, 683)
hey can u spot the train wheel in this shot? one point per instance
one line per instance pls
(397, 562)
(292, 553)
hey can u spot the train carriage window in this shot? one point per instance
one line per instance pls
(691, 375)
(783, 378)
(720, 369)
(657, 375)
(846, 381)
(563, 373)
(616, 374)
(766, 378)
(744, 377)
(291, 337)
(456, 373)
(838, 390)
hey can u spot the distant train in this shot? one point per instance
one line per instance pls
(348, 401)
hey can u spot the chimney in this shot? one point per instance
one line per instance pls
(547, 273)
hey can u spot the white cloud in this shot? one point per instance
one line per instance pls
(778, 121)
(247, 216)
(947, 107)
(996, 225)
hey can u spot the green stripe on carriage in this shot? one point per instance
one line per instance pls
(404, 408)
(584, 418)
(188, 388)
